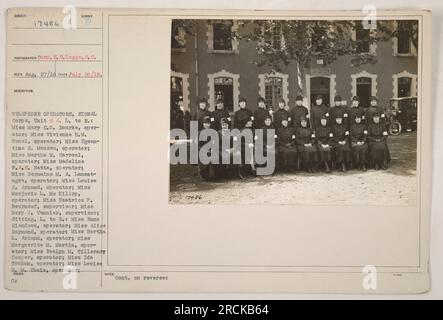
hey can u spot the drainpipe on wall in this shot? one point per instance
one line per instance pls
(196, 63)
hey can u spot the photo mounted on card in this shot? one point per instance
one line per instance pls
(289, 111)
(218, 151)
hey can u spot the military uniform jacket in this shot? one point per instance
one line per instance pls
(218, 115)
(338, 112)
(340, 133)
(265, 134)
(177, 118)
(318, 112)
(377, 132)
(358, 133)
(259, 117)
(304, 136)
(356, 111)
(370, 111)
(297, 113)
(200, 114)
(279, 115)
(286, 136)
(324, 134)
(242, 117)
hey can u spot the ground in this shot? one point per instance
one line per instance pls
(395, 186)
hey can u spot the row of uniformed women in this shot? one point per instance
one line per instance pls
(333, 143)
(332, 140)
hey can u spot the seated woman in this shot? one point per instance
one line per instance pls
(306, 143)
(206, 171)
(358, 136)
(342, 150)
(269, 148)
(247, 165)
(324, 143)
(287, 149)
(377, 141)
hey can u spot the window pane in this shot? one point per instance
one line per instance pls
(177, 36)
(404, 87)
(273, 90)
(223, 80)
(403, 37)
(222, 36)
(176, 85)
(362, 36)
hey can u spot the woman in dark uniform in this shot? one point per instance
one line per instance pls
(242, 115)
(281, 114)
(377, 141)
(219, 113)
(206, 171)
(306, 143)
(342, 150)
(324, 143)
(225, 170)
(260, 113)
(299, 111)
(287, 149)
(358, 136)
(318, 110)
(202, 112)
(247, 165)
(269, 147)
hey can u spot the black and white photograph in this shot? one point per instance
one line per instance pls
(294, 112)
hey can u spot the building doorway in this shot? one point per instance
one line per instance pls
(364, 90)
(224, 89)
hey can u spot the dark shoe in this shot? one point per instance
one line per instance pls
(327, 168)
(377, 167)
(241, 174)
(343, 167)
(363, 167)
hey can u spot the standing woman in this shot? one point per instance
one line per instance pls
(342, 150)
(260, 113)
(281, 114)
(377, 140)
(306, 142)
(287, 149)
(358, 135)
(299, 111)
(324, 143)
(202, 112)
(242, 115)
(318, 110)
(219, 113)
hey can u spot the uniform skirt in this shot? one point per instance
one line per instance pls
(288, 155)
(308, 154)
(379, 151)
(342, 153)
(359, 152)
(324, 153)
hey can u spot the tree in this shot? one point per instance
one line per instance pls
(306, 40)
(282, 42)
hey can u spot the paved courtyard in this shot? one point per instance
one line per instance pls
(395, 186)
